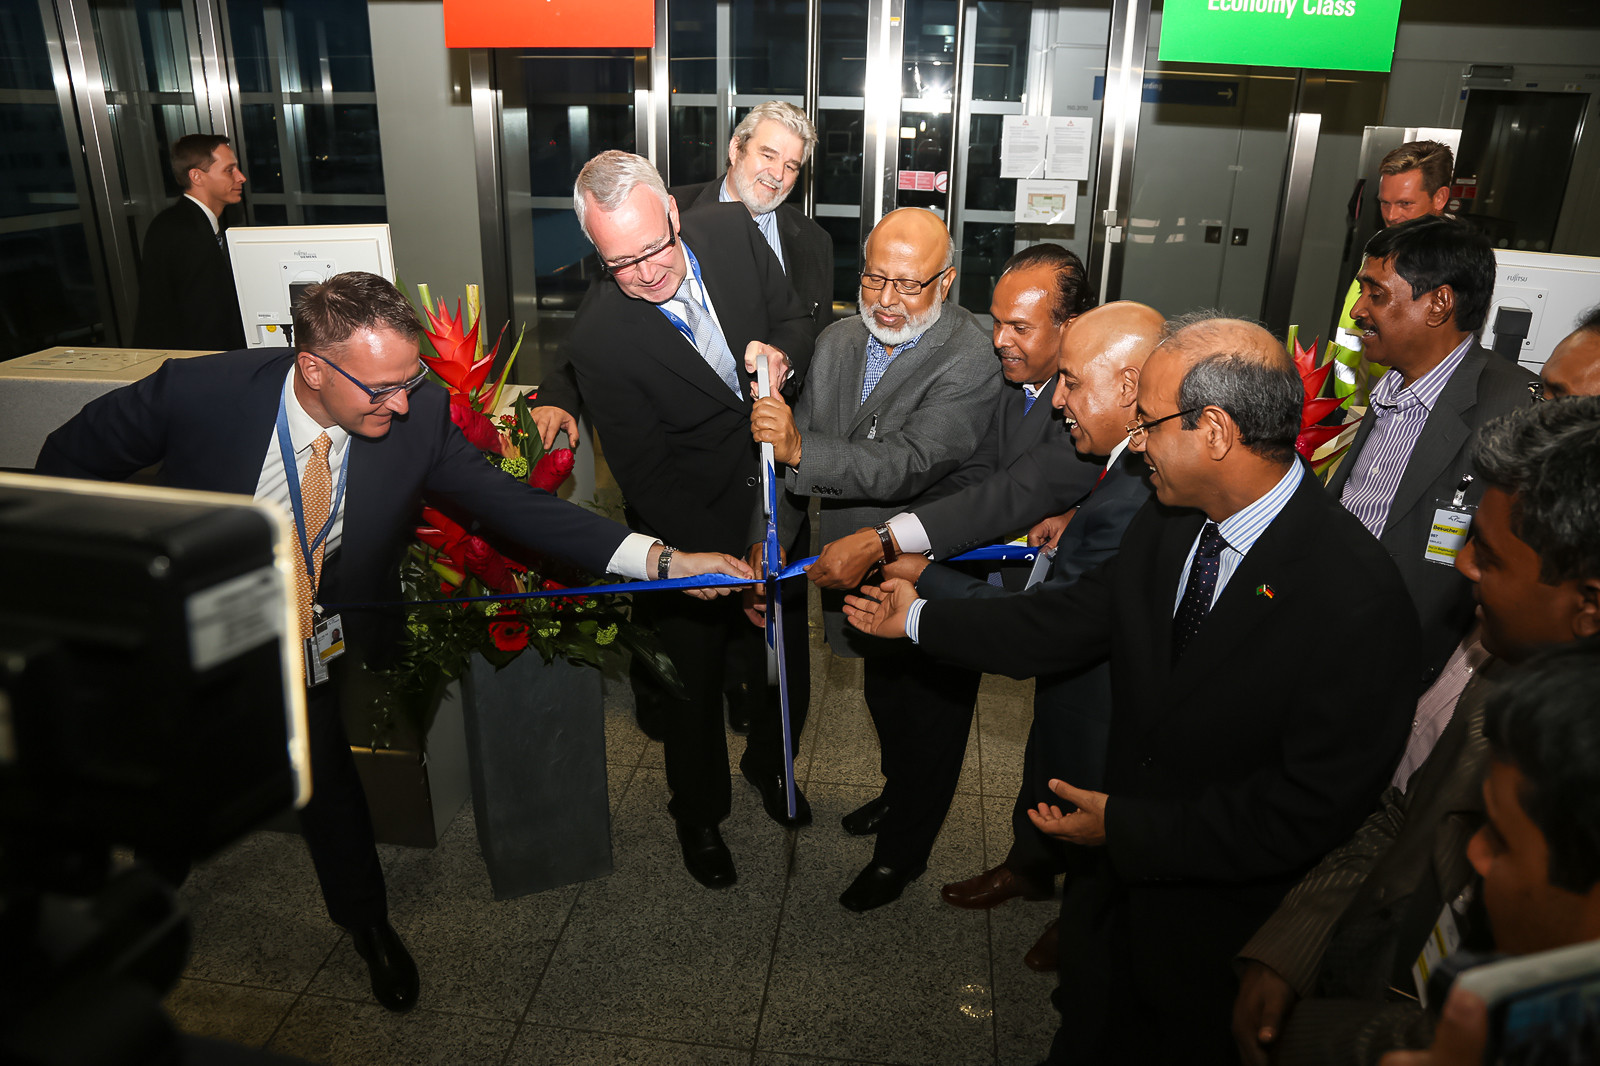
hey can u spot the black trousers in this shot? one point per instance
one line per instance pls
(696, 634)
(336, 824)
(1066, 740)
(922, 710)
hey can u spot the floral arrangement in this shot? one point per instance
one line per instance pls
(1321, 444)
(447, 561)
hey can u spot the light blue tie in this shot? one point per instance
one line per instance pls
(708, 339)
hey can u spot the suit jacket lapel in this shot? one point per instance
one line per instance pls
(664, 343)
(1445, 431)
(902, 367)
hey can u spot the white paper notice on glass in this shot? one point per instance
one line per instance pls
(1067, 148)
(1022, 146)
(1053, 203)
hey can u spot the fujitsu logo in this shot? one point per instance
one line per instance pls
(1516, 277)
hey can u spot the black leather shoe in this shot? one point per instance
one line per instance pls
(775, 799)
(706, 856)
(877, 885)
(394, 975)
(865, 819)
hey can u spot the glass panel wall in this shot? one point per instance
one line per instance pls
(306, 95)
(50, 294)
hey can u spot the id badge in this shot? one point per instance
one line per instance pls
(1447, 534)
(325, 645)
(1443, 940)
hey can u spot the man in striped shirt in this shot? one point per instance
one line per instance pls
(1425, 289)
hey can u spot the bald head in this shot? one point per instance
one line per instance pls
(1101, 357)
(910, 245)
(1573, 369)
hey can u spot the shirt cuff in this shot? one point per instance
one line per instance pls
(908, 533)
(632, 557)
(914, 619)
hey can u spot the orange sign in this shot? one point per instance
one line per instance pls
(549, 24)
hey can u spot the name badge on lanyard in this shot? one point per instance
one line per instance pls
(326, 642)
(1452, 523)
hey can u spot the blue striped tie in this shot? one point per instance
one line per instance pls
(708, 339)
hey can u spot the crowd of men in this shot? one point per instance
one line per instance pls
(1290, 728)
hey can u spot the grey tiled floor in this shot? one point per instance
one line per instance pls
(645, 966)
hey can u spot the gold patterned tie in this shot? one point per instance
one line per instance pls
(316, 496)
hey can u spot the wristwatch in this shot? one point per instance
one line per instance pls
(884, 538)
(664, 562)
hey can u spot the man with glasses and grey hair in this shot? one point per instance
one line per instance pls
(896, 400)
(350, 403)
(664, 354)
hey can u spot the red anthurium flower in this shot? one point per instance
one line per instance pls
(552, 469)
(476, 427)
(509, 634)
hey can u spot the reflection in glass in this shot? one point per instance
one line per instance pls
(1518, 146)
(50, 295)
(837, 160)
(561, 139)
(24, 63)
(326, 45)
(930, 48)
(986, 189)
(844, 48)
(343, 154)
(143, 45)
(692, 46)
(927, 152)
(262, 158)
(35, 169)
(248, 35)
(766, 59)
(985, 247)
(271, 214)
(694, 154)
(1000, 52)
(344, 214)
(847, 236)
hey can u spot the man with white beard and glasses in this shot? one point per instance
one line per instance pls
(895, 401)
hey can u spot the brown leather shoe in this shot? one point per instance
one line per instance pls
(992, 888)
(1042, 956)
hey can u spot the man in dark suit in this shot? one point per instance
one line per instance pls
(186, 294)
(664, 355)
(898, 399)
(768, 148)
(1425, 289)
(1328, 978)
(352, 399)
(1097, 388)
(1025, 466)
(1227, 775)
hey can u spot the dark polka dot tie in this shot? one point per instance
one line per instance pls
(1199, 590)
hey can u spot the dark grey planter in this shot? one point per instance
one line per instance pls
(536, 752)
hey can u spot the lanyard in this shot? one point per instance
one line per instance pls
(291, 472)
(680, 324)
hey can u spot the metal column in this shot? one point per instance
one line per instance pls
(487, 151)
(1119, 130)
(880, 156)
(1305, 125)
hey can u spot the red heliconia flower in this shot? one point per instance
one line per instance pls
(552, 469)
(488, 565)
(476, 427)
(444, 535)
(550, 586)
(455, 362)
(509, 634)
(1313, 437)
(1314, 411)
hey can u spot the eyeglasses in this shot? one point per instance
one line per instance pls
(904, 286)
(382, 392)
(614, 269)
(1536, 390)
(1139, 429)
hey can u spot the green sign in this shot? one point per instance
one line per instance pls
(1322, 34)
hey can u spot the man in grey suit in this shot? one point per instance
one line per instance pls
(1328, 978)
(1025, 467)
(1097, 390)
(896, 401)
(1425, 289)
